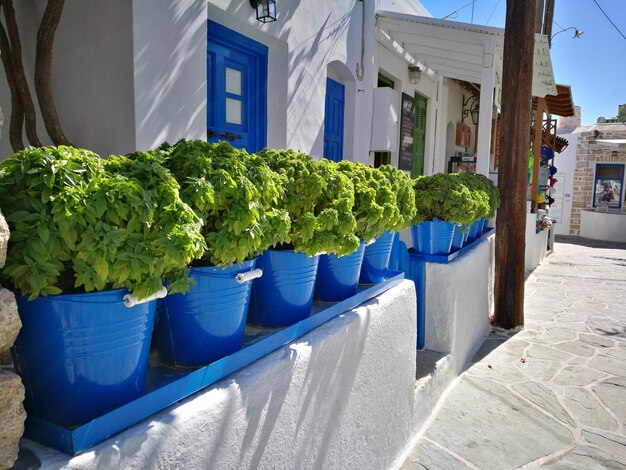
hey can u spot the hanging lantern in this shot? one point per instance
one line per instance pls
(265, 10)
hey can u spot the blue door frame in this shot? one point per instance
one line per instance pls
(333, 120)
(236, 88)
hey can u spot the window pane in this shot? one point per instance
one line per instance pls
(233, 111)
(608, 191)
(233, 81)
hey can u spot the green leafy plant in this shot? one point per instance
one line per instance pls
(82, 224)
(235, 194)
(402, 188)
(480, 186)
(319, 199)
(446, 197)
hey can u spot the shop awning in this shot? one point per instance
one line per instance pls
(457, 50)
(559, 104)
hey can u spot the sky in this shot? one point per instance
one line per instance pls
(594, 65)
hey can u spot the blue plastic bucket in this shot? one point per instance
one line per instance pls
(458, 240)
(485, 226)
(283, 296)
(206, 323)
(475, 230)
(433, 237)
(337, 277)
(82, 355)
(466, 238)
(376, 259)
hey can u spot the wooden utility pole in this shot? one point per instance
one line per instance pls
(519, 43)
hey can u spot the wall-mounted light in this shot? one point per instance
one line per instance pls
(471, 106)
(415, 74)
(577, 33)
(265, 10)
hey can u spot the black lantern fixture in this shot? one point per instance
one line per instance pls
(265, 10)
(471, 106)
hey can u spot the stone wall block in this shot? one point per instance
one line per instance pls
(10, 323)
(12, 417)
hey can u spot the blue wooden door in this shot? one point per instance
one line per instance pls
(333, 120)
(237, 89)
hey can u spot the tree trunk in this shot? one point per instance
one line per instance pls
(519, 45)
(16, 124)
(19, 75)
(43, 67)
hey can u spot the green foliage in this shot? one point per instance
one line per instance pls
(481, 187)
(82, 224)
(235, 194)
(446, 197)
(319, 199)
(402, 188)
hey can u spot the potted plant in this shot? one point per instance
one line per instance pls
(487, 198)
(319, 199)
(90, 240)
(443, 201)
(396, 194)
(338, 276)
(235, 195)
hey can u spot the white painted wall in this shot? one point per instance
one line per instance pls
(536, 243)
(608, 226)
(340, 397)
(92, 73)
(565, 162)
(170, 71)
(458, 304)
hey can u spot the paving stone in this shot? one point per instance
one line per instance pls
(577, 376)
(427, 456)
(612, 392)
(544, 398)
(502, 372)
(10, 323)
(609, 364)
(577, 348)
(587, 410)
(539, 370)
(12, 417)
(547, 353)
(609, 328)
(615, 352)
(597, 341)
(587, 458)
(606, 441)
(475, 406)
(554, 335)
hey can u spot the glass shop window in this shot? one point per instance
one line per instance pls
(608, 185)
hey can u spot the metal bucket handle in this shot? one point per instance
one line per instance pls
(249, 276)
(131, 300)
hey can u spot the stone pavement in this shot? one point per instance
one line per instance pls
(554, 394)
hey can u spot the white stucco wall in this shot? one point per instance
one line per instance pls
(458, 304)
(341, 396)
(92, 72)
(608, 226)
(536, 243)
(170, 71)
(565, 162)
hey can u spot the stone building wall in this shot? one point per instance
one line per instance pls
(588, 154)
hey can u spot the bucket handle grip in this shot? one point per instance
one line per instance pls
(249, 276)
(131, 300)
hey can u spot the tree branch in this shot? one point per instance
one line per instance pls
(43, 67)
(17, 109)
(19, 75)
